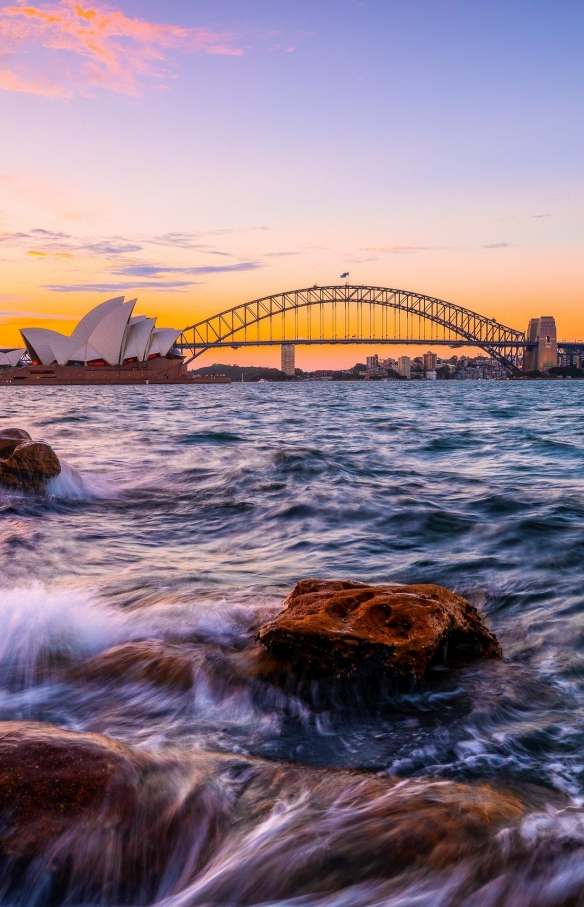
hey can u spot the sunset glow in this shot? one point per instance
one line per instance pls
(202, 155)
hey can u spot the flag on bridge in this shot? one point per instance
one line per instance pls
(346, 274)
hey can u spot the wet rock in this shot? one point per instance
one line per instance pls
(50, 777)
(10, 438)
(337, 837)
(146, 661)
(302, 832)
(349, 631)
(84, 818)
(26, 465)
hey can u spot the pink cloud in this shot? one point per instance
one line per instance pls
(10, 81)
(90, 47)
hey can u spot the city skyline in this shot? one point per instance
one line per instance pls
(204, 157)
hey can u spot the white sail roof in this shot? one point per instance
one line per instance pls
(109, 332)
(107, 338)
(162, 341)
(138, 338)
(12, 357)
(85, 354)
(43, 344)
(89, 322)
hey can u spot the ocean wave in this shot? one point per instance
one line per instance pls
(73, 485)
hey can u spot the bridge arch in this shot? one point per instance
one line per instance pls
(350, 314)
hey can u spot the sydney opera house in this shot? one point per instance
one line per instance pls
(110, 345)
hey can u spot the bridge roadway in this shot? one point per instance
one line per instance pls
(353, 341)
(349, 315)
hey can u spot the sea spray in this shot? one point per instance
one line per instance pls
(72, 485)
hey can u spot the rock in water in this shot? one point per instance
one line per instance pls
(344, 630)
(85, 819)
(88, 820)
(50, 778)
(10, 438)
(26, 465)
(148, 661)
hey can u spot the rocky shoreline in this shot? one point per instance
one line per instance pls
(87, 819)
(84, 818)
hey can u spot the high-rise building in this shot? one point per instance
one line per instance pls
(543, 356)
(404, 366)
(430, 361)
(372, 363)
(288, 359)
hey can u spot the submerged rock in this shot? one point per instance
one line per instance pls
(26, 465)
(85, 819)
(349, 631)
(305, 832)
(49, 778)
(147, 661)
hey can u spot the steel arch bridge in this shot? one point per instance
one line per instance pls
(346, 314)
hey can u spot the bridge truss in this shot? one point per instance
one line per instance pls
(349, 315)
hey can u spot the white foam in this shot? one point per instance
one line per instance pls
(41, 624)
(38, 623)
(70, 484)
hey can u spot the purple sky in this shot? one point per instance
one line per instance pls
(203, 154)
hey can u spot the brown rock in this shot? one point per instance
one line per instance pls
(84, 819)
(29, 465)
(148, 661)
(349, 631)
(49, 778)
(90, 819)
(10, 438)
(346, 829)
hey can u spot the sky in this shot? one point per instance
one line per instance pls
(203, 154)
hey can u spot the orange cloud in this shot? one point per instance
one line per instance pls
(97, 47)
(36, 254)
(10, 81)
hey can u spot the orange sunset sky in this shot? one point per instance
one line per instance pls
(200, 155)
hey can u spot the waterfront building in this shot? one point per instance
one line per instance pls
(288, 362)
(110, 345)
(430, 361)
(372, 363)
(109, 334)
(431, 375)
(404, 366)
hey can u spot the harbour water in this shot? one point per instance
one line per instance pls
(184, 515)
